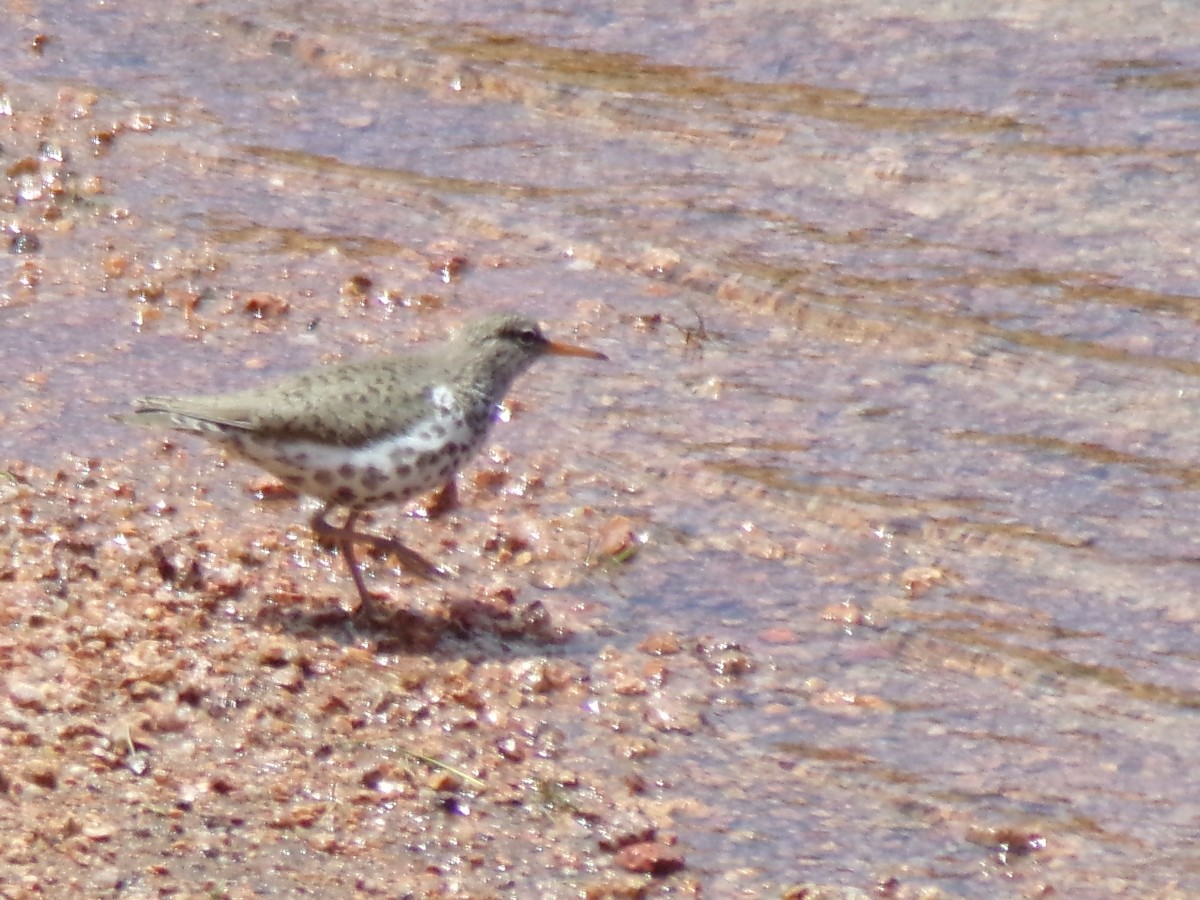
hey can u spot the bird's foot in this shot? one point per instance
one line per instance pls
(410, 560)
(345, 537)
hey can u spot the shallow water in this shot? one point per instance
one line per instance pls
(901, 301)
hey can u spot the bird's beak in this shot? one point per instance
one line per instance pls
(556, 348)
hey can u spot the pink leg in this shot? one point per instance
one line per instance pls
(345, 538)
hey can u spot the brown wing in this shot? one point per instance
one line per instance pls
(349, 404)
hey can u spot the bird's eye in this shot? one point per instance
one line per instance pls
(529, 337)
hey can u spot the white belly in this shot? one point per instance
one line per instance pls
(391, 470)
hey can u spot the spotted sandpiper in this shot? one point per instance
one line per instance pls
(368, 433)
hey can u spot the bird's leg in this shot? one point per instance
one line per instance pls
(346, 537)
(366, 607)
(341, 538)
(443, 500)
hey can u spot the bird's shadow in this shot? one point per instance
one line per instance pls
(509, 627)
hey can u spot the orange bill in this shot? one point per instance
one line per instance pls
(556, 348)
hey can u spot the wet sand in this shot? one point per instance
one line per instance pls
(866, 567)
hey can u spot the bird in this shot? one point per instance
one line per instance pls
(372, 432)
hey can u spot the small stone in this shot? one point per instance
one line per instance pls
(650, 857)
(918, 580)
(616, 539)
(43, 774)
(662, 643)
